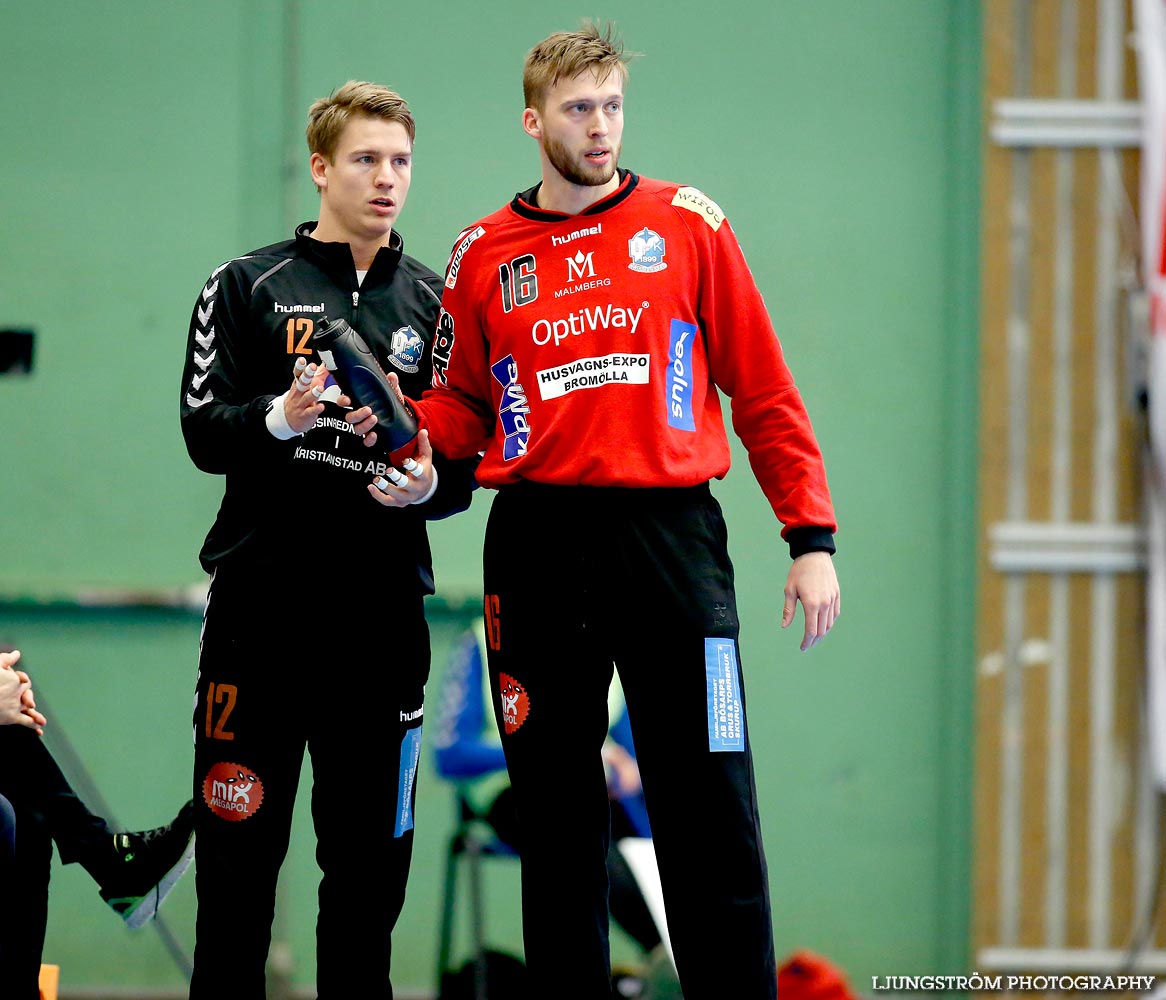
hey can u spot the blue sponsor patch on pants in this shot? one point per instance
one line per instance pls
(723, 689)
(410, 755)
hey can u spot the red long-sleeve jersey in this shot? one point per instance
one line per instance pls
(588, 350)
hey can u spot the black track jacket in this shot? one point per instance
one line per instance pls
(253, 318)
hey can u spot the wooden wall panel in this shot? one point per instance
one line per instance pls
(1002, 209)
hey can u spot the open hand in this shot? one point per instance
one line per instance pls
(812, 581)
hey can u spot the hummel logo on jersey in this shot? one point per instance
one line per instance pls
(580, 266)
(558, 241)
(299, 308)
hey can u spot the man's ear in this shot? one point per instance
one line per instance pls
(319, 168)
(532, 123)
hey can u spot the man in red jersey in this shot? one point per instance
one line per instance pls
(584, 332)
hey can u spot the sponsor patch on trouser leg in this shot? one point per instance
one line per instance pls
(232, 791)
(515, 703)
(410, 755)
(723, 689)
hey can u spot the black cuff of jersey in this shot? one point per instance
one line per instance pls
(455, 487)
(803, 540)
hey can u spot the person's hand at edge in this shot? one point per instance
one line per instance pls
(812, 581)
(17, 703)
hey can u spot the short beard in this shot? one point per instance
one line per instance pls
(561, 161)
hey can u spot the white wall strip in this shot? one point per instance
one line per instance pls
(1086, 960)
(1012, 710)
(1075, 547)
(1110, 54)
(1050, 122)
(1057, 775)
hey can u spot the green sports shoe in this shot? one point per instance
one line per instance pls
(149, 864)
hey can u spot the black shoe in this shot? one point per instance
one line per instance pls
(149, 865)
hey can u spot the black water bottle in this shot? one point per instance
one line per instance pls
(361, 378)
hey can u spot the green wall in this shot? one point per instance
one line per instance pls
(148, 142)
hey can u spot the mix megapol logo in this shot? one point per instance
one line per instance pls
(515, 703)
(232, 791)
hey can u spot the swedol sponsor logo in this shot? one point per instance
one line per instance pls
(679, 380)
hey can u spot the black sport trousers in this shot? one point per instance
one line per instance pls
(339, 671)
(45, 810)
(578, 579)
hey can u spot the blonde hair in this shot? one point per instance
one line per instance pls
(566, 54)
(328, 116)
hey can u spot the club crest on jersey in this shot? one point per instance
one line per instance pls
(406, 345)
(646, 250)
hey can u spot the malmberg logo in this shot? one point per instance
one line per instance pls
(298, 308)
(580, 266)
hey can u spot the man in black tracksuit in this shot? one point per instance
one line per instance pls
(314, 633)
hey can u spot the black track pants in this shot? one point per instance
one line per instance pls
(46, 810)
(576, 580)
(343, 677)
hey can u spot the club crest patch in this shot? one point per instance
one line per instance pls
(646, 250)
(406, 345)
